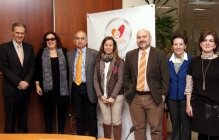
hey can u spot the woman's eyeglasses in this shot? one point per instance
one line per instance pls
(52, 39)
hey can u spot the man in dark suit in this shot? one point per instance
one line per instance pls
(81, 84)
(146, 81)
(17, 67)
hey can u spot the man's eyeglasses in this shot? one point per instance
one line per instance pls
(52, 39)
(80, 38)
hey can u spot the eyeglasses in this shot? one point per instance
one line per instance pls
(52, 39)
(80, 38)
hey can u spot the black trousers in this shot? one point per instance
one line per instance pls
(55, 107)
(181, 123)
(84, 109)
(16, 108)
(50, 113)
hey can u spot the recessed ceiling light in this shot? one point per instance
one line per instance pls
(203, 2)
(199, 9)
(164, 7)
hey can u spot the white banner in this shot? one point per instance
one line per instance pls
(122, 25)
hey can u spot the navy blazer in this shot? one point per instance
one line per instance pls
(178, 80)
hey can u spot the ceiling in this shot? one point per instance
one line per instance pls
(199, 13)
(191, 21)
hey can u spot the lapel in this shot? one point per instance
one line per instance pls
(171, 65)
(184, 65)
(72, 59)
(151, 57)
(135, 64)
(14, 54)
(87, 60)
(25, 54)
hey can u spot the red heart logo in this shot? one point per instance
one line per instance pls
(121, 30)
(118, 33)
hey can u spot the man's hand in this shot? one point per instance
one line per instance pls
(23, 85)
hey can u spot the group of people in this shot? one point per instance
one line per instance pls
(82, 75)
(147, 79)
(193, 100)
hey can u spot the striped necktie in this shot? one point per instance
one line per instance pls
(141, 72)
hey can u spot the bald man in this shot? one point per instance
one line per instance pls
(82, 91)
(146, 81)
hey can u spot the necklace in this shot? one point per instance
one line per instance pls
(207, 56)
(204, 73)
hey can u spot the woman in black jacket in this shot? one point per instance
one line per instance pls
(51, 80)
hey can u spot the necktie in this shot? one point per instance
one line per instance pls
(78, 75)
(141, 72)
(20, 54)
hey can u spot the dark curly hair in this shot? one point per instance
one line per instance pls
(58, 40)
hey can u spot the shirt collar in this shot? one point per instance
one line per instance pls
(16, 44)
(147, 50)
(83, 50)
(174, 59)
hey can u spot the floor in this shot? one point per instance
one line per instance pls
(194, 135)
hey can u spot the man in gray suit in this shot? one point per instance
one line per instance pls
(146, 81)
(81, 76)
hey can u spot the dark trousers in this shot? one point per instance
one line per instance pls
(206, 137)
(84, 109)
(59, 111)
(181, 123)
(16, 113)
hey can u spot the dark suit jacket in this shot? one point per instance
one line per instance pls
(12, 69)
(157, 74)
(91, 56)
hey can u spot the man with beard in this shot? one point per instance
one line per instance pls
(146, 81)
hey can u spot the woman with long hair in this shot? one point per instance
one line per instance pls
(51, 73)
(108, 81)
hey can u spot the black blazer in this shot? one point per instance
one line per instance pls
(157, 74)
(12, 69)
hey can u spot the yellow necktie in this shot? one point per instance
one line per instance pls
(141, 73)
(78, 75)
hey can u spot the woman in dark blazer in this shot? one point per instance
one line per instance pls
(176, 99)
(51, 80)
(108, 81)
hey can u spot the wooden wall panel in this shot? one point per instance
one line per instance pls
(117, 4)
(38, 16)
(70, 15)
